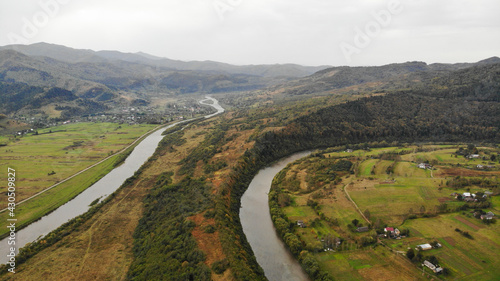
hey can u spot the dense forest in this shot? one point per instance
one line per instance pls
(465, 110)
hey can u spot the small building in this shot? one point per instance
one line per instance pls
(424, 166)
(466, 195)
(488, 216)
(349, 150)
(435, 269)
(392, 232)
(479, 166)
(363, 229)
(424, 247)
(301, 224)
(473, 156)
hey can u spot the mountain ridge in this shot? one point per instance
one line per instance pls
(82, 55)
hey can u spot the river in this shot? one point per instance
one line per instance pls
(101, 189)
(271, 253)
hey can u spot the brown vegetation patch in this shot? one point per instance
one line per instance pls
(235, 148)
(450, 241)
(393, 267)
(302, 176)
(467, 222)
(231, 153)
(377, 273)
(209, 243)
(453, 172)
(363, 184)
(444, 199)
(100, 249)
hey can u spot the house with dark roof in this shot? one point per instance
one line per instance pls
(363, 229)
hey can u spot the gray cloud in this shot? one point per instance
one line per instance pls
(258, 31)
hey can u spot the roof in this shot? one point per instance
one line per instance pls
(429, 264)
(363, 229)
(488, 215)
(425, 246)
(389, 229)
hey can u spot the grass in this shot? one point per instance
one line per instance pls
(367, 264)
(464, 257)
(365, 168)
(39, 206)
(66, 151)
(391, 197)
(101, 248)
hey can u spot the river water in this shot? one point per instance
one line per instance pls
(101, 189)
(271, 253)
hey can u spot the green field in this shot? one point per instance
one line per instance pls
(65, 151)
(389, 188)
(54, 155)
(467, 259)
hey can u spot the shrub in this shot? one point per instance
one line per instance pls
(220, 266)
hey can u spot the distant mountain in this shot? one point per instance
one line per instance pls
(394, 76)
(57, 52)
(41, 76)
(120, 75)
(98, 81)
(491, 60)
(75, 56)
(19, 68)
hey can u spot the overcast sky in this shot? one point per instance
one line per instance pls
(312, 32)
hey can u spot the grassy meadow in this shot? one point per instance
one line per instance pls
(44, 159)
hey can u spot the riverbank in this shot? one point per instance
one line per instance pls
(34, 207)
(102, 188)
(100, 247)
(271, 253)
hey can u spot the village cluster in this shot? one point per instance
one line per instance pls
(124, 115)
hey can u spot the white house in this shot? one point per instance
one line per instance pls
(432, 267)
(424, 247)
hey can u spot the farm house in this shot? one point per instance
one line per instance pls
(424, 247)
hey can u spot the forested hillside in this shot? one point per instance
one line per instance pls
(460, 107)
(463, 106)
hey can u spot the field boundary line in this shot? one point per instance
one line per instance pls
(355, 205)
